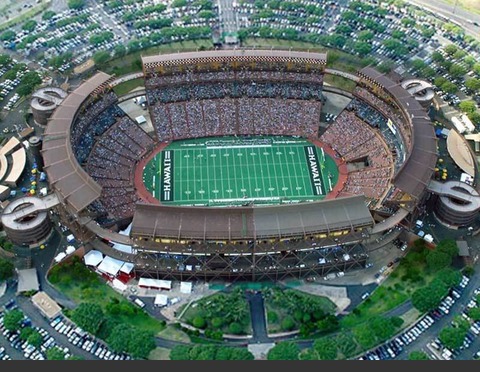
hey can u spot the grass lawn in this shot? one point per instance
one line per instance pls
(159, 353)
(394, 291)
(283, 44)
(340, 82)
(174, 334)
(132, 62)
(471, 5)
(127, 86)
(82, 285)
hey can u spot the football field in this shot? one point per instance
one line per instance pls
(239, 171)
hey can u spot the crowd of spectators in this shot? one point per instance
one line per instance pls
(389, 111)
(356, 141)
(93, 120)
(229, 116)
(111, 163)
(234, 102)
(154, 80)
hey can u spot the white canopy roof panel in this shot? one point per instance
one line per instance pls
(93, 258)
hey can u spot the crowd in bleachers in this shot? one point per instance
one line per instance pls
(154, 79)
(111, 163)
(228, 116)
(92, 121)
(389, 111)
(354, 140)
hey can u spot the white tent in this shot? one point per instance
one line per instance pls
(60, 256)
(70, 249)
(123, 247)
(93, 258)
(161, 300)
(110, 266)
(127, 268)
(155, 283)
(119, 285)
(186, 287)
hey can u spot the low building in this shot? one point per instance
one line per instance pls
(46, 305)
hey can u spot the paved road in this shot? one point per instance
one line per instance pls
(257, 313)
(228, 16)
(461, 15)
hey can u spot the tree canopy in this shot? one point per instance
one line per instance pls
(285, 350)
(13, 320)
(88, 316)
(418, 355)
(6, 269)
(55, 353)
(209, 352)
(76, 4)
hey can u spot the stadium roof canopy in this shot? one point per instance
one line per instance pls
(218, 55)
(417, 170)
(71, 182)
(208, 223)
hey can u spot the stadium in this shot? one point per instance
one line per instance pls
(234, 176)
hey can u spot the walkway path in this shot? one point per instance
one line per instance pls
(257, 314)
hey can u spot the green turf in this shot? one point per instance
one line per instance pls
(238, 171)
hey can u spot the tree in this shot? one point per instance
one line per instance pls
(88, 316)
(179, 3)
(326, 348)
(476, 68)
(48, 15)
(457, 70)
(474, 117)
(452, 337)
(408, 22)
(6, 269)
(418, 64)
(55, 353)
(418, 355)
(459, 54)
(448, 246)
(235, 328)
(120, 50)
(428, 72)
(365, 35)
(8, 35)
(141, 343)
(473, 84)
(449, 87)
(28, 83)
(469, 60)
(474, 314)
(349, 16)
(25, 333)
(29, 25)
(76, 4)
(395, 46)
(449, 276)
(35, 339)
(437, 260)
(397, 34)
(5, 60)
(285, 350)
(467, 106)
(428, 298)
(199, 322)
(101, 57)
(450, 49)
(437, 57)
(13, 320)
(288, 323)
(362, 48)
